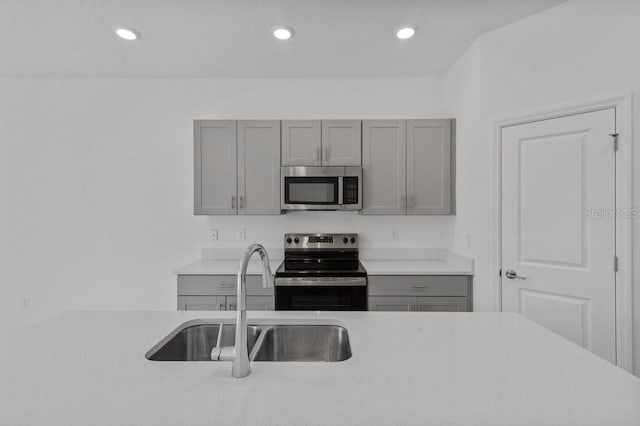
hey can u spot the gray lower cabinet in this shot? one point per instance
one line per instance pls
(218, 293)
(408, 167)
(201, 303)
(424, 293)
(392, 303)
(236, 167)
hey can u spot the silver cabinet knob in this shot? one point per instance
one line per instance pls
(512, 275)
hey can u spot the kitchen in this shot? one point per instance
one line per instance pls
(98, 208)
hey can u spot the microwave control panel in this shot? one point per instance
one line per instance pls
(350, 190)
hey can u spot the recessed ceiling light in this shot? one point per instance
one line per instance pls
(405, 32)
(283, 33)
(128, 33)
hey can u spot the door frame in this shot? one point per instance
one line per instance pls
(624, 237)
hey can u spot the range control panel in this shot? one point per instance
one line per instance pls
(320, 241)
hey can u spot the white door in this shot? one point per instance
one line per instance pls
(558, 176)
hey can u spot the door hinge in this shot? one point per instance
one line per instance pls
(615, 263)
(615, 140)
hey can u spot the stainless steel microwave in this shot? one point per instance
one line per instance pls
(321, 188)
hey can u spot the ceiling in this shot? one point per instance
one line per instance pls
(232, 38)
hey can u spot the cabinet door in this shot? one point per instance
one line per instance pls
(254, 303)
(429, 166)
(384, 162)
(442, 304)
(392, 303)
(301, 144)
(259, 167)
(214, 167)
(342, 142)
(201, 303)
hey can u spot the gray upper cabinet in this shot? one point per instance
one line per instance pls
(342, 142)
(428, 166)
(384, 174)
(258, 167)
(236, 167)
(408, 167)
(215, 163)
(301, 143)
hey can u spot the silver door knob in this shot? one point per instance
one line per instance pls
(511, 274)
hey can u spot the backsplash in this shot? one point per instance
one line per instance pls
(374, 231)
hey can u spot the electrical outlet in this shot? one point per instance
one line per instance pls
(241, 234)
(395, 234)
(213, 234)
(26, 302)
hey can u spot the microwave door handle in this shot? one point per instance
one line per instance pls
(340, 190)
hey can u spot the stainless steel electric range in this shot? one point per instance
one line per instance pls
(321, 272)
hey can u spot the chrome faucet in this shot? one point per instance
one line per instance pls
(239, 353)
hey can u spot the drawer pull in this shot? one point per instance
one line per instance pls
(226, 285)
(420, 286)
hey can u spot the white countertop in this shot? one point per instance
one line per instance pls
(399, 261)
(415, 267)
(225, 267)
(88, 368)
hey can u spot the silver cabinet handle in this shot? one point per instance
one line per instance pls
(232, 307)
(411, 202)
(226, 285)
(233, 201)
(242, 201)
(318, 154)
(222, 307)
(420, 286)
(511, 274)
(326, 155)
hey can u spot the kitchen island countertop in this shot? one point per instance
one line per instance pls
(89, 368)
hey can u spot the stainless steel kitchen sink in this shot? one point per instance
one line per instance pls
(303, 343)
(194, 341)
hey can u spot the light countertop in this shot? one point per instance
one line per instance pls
(399, 261)
(88, 368)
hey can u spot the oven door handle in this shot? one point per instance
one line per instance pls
(321, 281)
(340, 190)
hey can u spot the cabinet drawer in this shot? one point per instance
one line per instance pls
(442, 304)
(219, 285)
(418, 285)
(201, 303)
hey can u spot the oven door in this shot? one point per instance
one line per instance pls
(321, 294)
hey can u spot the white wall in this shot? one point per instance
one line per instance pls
(580, 51)
(96, 182)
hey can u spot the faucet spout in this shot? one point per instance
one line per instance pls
(239, 354)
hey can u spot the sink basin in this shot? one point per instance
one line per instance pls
(303, 343)
(195, 342)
